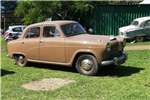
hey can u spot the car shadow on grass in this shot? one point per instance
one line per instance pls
(6, 72)
(120, 71)
(113, 71)
(53, 67)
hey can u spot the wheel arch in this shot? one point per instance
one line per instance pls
(18, 53)
(78, 53)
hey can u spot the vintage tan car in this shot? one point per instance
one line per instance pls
(66, 43)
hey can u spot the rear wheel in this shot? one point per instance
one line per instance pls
(87, 64)
(21, 60)
(140, 39)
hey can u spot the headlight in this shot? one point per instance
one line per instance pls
(108, 46)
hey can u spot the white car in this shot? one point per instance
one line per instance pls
(138, 30)
(13, 32)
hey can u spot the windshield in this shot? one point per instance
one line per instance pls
(72, 29)
(135, 23)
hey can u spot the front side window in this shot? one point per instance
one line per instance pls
(72, 29)
(33, 32)
(50, 31)
(147, 23)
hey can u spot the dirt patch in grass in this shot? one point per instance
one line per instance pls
(47, 84)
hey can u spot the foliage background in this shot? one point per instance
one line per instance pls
(81, 11)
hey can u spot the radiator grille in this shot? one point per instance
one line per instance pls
(115, 51)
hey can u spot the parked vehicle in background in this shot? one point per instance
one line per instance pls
(138, 30)
(13, 32)
(66, 43)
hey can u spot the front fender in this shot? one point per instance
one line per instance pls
(97, 55)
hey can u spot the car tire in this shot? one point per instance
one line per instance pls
(87, 65)
(21, 60)
(139, 39)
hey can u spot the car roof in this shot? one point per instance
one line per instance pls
(141, 19)
(57, 22)
(13, 26)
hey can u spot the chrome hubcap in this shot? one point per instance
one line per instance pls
(86, 64)
(21, 59)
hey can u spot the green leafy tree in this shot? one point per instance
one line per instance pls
(36, 11)
(82, 11)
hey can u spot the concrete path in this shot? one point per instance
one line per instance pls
(138, 47)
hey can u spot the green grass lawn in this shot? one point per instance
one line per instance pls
(131, 81)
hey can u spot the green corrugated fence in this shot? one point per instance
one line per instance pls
(108, 18)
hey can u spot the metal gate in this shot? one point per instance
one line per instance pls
(108, 18)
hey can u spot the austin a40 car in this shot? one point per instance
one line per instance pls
(66, 43)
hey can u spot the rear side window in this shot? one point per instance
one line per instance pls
(33, 32)
(50, 31)
(17, 29)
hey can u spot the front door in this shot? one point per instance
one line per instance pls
(30, 43)
(52, 45)
(146, 28)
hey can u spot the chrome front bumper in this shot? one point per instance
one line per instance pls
(115, 60)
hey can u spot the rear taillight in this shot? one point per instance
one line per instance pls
(6, 34)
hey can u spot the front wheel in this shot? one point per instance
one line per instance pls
(87, 64)
(21, 60)
(140, 39)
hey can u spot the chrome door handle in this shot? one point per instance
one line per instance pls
(22, 42)
(41, 41)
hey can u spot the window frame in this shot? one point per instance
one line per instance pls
(28, 29)
(145, 26)
(67, 35)
(16, 28)
(56, 28)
